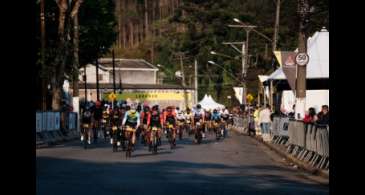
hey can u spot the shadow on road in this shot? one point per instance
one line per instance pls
(68, 176)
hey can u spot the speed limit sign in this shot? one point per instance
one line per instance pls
(302, 59)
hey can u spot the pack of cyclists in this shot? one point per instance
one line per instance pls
(125, 124)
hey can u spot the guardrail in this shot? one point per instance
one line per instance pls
(53, 127)
(279, 130)
(306, 142)
(241, 124)
(310, 143)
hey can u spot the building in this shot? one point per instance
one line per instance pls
(135, 80)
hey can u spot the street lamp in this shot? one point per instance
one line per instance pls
(229, 73)
(224, 55)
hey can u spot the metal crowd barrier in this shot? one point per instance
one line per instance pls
(48, 127)
(279, 130)
(241, 124)
(306, 142)
(310, 143)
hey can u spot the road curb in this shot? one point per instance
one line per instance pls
(49, 141)
(302, 165)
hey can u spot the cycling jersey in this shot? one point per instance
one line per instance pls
(180, 116)
(131, 118)
(207, 115)
(144, 117)
(170, 117)
(86, 117)
(155, 119)
(198, 114)
(216, 117)
(188, 117)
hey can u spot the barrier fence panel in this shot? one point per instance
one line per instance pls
(38, 122)
(44, 121)
(72, 120)
(275, 126)
(306, 142)
(57, 121)
(283, 126)
(49, 121)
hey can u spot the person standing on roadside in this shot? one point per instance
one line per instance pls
(265, 120)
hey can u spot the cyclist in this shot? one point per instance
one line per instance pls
(170, 118)
(155, 119)
(217, 120)
(198, 115)
(180, 121)
(207, 119)
(225, 117)
(86, 124)
(132, 119)
(188, 120)
(145, 114)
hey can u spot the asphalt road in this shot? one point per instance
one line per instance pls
(236, 165)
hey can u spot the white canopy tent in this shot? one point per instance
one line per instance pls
(317, 68)
(318, 51)
(208, 103)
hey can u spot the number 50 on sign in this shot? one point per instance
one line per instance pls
(302, 59)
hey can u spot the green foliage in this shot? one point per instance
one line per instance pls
(97, 29)
(206, 23)
(97, 23)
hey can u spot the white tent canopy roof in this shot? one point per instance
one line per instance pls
(263, 78)
(208, 103)
(318, 51)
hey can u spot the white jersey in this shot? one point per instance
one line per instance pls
(197, 112)
(180, 115)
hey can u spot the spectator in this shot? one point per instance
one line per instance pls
(251, 124)
(291, 114)
(264, 119)
(310, 116)
(323, 116)
(256, 115)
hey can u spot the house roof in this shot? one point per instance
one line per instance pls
(127, 63)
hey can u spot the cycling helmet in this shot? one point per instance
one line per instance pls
(98, 104)
(177, 108)
(198, 106)
(127, 107)
(146, 108)
(155, 107)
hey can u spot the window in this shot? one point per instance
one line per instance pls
(100, 77)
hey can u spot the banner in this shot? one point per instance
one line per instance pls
(238, 91)
(151, 96)
(286, 60)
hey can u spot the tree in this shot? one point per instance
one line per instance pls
(96, 34)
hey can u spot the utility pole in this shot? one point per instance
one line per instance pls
(120, 83)
(85, 84)
(196, 80)
(43, 47)
(276, 27)
(97, 80)
(181, 57)
(113, 58)
(303, 10)
(182, 70)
